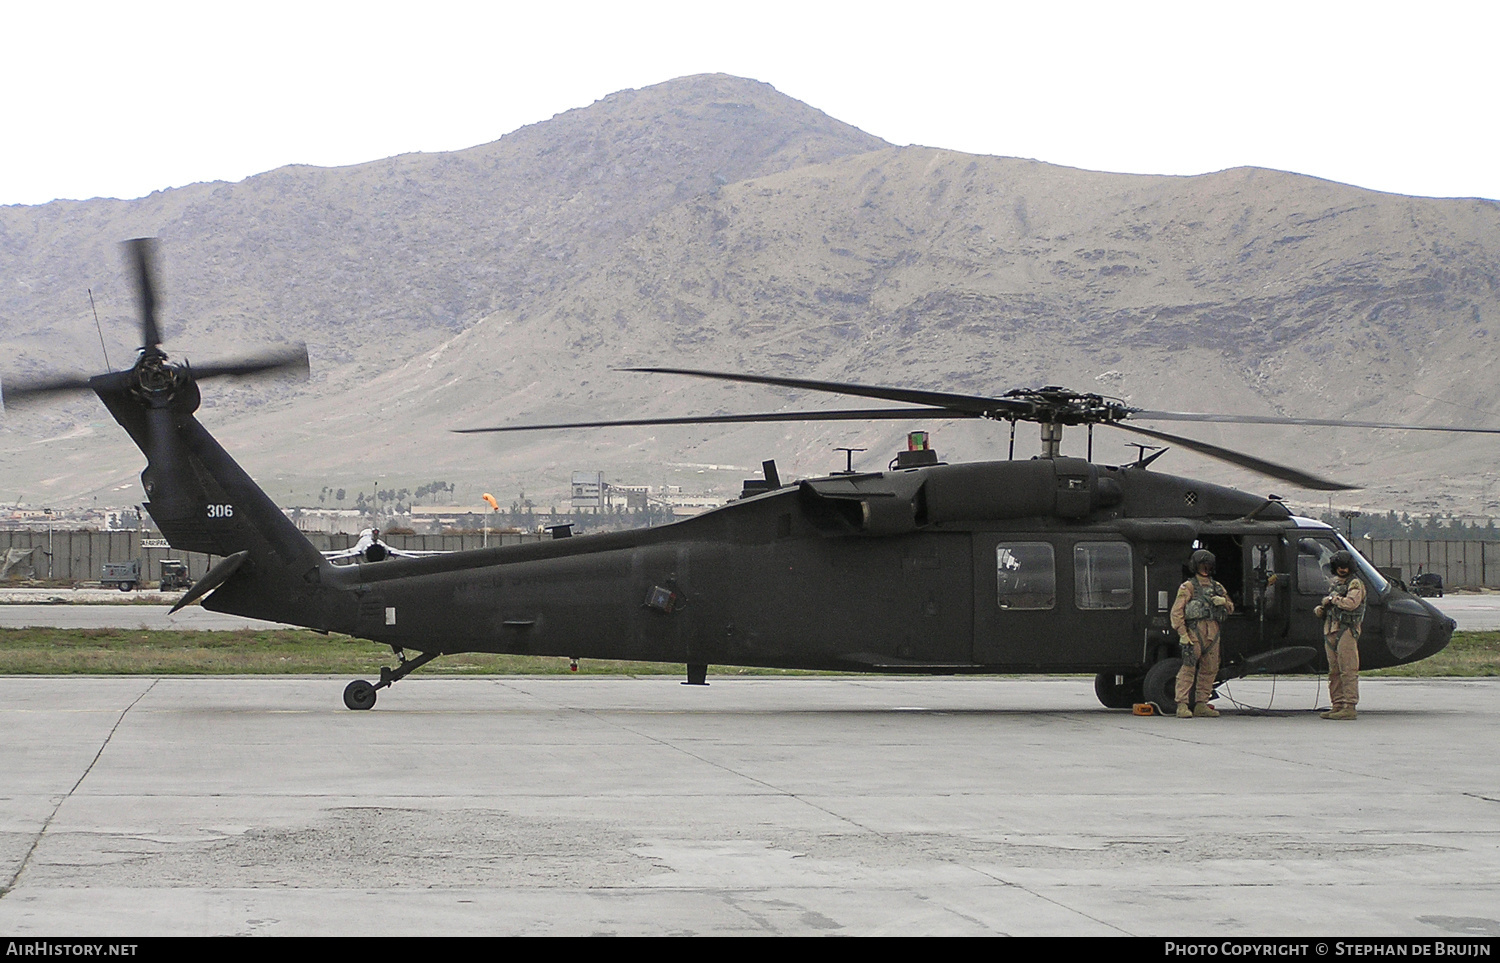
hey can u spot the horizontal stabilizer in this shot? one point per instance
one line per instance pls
(216, 576)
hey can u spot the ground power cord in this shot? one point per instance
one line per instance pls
(1269, 708)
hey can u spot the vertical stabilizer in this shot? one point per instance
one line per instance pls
(203, 501)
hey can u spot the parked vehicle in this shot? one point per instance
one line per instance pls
(174, 575)
(126, 575)
(1428, 585)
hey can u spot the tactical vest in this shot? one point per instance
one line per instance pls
(1339, 589)
(1200, 607)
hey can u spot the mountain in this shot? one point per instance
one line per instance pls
(712, 222)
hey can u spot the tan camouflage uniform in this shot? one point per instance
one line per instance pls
(1203, 635)
(1341, 638)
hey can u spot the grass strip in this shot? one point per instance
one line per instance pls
(36, 651)
(1469, 654)
(39, 651)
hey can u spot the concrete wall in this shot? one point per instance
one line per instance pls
(80, 556)
(1472, 564)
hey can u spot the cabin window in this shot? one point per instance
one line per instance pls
(1102, 575)
(1025, 575)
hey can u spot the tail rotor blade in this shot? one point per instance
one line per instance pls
(291, 361)
(16, 394)
(140, 252)
(19, 393)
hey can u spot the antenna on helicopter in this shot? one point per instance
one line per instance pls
(848, 460)
(1141, 449)
(100, 327)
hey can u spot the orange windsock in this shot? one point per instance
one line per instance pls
(491, 500)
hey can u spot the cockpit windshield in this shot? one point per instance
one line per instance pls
(1316, 548)
(1367, 571)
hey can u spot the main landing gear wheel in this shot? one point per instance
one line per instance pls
(1160, 686)
(359, 694)
(1117, 691)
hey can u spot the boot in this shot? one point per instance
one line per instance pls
(1183, 712)
(1344, 712)
(1206, 711)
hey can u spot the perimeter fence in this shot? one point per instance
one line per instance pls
(1460, 564)
(71, 556)
(80, 556)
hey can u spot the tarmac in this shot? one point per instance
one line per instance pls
(134, 806)
(97, 608)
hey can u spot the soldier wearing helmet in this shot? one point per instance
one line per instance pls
(1202, 605)
(1343, 613)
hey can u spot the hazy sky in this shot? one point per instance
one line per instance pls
(120, 99)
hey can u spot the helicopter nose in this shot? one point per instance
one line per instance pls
(1415, 630)
(1442, 632)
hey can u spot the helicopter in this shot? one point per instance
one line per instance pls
(1053, 564)
(370, 547)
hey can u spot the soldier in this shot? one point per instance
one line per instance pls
(1343, 614)
(1202, 604)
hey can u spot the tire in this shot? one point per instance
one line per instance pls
(127, 586)
(359, 695)
(1121, 696)
(1160, 685)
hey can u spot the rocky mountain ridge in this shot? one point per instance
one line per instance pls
(711, 222)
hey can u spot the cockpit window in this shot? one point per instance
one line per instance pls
(1314, 573)
(1367, 572)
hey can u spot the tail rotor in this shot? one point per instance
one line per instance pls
(154, 380)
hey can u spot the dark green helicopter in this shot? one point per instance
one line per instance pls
(1053, 564)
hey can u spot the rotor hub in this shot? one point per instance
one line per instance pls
(155, 378)
(1055, 405)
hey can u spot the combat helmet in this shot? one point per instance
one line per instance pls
(1341, 559)
(1201, 558)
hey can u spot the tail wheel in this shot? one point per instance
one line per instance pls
(359, 694)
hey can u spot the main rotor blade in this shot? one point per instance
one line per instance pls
(975, 405)
(141, 253)
(855, 414)
(1277, 420)
(1269, 468)
(292, 360)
